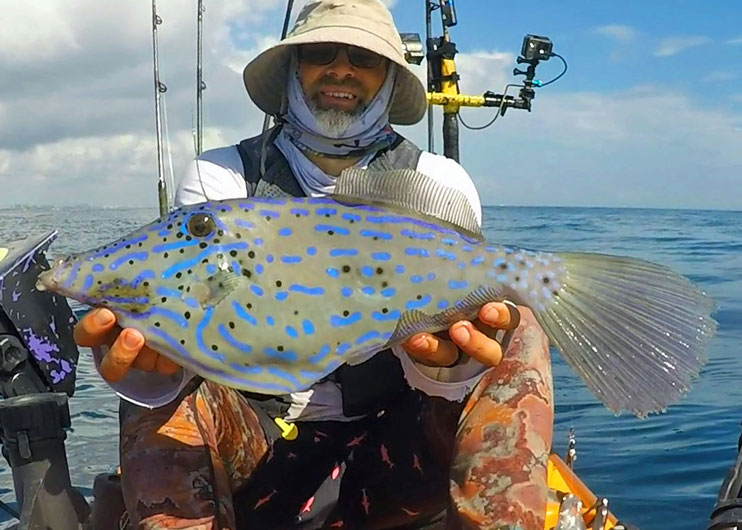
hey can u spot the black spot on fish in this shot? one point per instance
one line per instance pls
(419, 297)
(166, 255)
(219, 256)
(163, 299)
(279, 348)
(214, 347)
(216, 241)
(346, 268)
(182, 250)
(188, 238)
(375, 238)
(182, 341)
(248, 305)
(157, 324)
(233, 253)
(170, 226)
(205, 260)
(220, 233)
(279, 283)
(517, 279)
(267, 217)
(546, 281)
(238, 235)
(189, 271)
(179, 275)
(330, 233)
(187, 315)
(385, 284)
(231, 325)
(296, 312)
(251, 254)
(346, 313)
(128, 246)
(131, 262)
(503, 266)
(180, 287)
(145, 283)
(179, 235)
(246, 273)
(203, 244)
(379, 270)
(384, 310)
(555, 293)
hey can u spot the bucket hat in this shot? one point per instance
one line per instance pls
(364, 23)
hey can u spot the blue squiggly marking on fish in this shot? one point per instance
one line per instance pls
(371, 335)
(453, 284)
(208, 313)
(224, 333)
(285, 232)
(213, 249)
(134, 256)
(338, 230)
(244, 315)
(381, 256)
(170, 315)
(341, 252)
(338, 321)
(375, 233)
(308, 327)
(311, 291)
(420, 252)
(320, 355)
(290, 260)
(382, 317)
(286, 355)
(417, 304)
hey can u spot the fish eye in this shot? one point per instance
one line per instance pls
(201, 225)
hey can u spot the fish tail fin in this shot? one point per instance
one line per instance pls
(633, 330)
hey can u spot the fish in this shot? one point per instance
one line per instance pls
(272, 294)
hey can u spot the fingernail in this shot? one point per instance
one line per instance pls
(131, 341)
(491, 314)
(460, 334)
(103, 318)
(420, 343)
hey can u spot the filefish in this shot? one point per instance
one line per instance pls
(270, 295)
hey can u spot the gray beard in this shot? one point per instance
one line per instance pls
(334, 122)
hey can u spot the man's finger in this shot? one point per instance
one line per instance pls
(117, 362)
(165, 366)
(431, 350)
(499, 315)
(146, 360)
(476, 344)
(94, 327)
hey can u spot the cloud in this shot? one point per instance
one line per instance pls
(78, 118)
(719, 77)
(674, 45)
(735, 41)
(617, 32)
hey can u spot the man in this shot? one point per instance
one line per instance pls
(369, 446)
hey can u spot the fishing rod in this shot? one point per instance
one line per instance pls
(160, 89)
(443, 79)
(200, 85)
(284, 32)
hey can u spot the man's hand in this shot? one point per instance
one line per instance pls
(127, 349)
(471, 338)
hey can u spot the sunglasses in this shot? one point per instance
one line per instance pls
(324, 53)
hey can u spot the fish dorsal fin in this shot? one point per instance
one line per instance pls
(408, 189)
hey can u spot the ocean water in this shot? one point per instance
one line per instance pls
(658, 473)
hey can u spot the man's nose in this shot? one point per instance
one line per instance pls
(341, 66)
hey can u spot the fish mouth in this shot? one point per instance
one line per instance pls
(52, 279)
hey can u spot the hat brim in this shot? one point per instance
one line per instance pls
(266, 76)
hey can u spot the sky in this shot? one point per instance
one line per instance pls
(649, 113)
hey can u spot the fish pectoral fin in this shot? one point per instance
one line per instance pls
(211, 291)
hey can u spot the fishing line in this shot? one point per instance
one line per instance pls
(500, 111)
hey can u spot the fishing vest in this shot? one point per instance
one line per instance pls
(368, 387)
